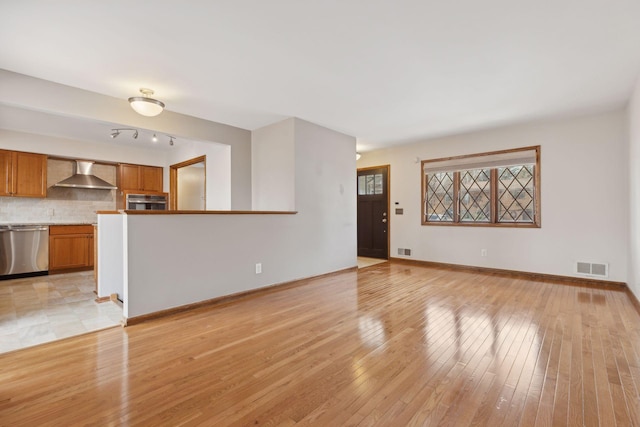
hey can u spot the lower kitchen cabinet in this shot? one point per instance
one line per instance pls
(71, 248)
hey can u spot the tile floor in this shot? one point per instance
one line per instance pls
(368, 262)
(47, 308)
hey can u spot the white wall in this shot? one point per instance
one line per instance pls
(273, 167)
(634, 190)
(199, 257)
(110, 255)
(191, 188)
(218, 170)
(325, 186)
(584, 199)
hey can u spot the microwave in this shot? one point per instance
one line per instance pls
(146, 202)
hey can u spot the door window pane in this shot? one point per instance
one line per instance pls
(370, 184)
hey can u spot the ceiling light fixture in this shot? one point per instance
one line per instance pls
(358, 155)
(154, 138)
(145, 105)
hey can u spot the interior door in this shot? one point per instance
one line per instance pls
(373, 212)
(188, 184)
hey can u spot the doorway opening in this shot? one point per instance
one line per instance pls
(188, 185)
(373, 212)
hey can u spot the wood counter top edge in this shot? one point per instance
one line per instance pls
(134, 212)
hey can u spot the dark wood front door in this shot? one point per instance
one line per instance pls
(373, 212)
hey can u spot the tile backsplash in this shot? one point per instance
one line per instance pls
(62, 205)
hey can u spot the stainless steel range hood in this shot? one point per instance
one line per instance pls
(84, 179)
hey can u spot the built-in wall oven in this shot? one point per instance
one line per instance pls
(146, 202)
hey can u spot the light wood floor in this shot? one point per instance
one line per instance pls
(368, 262)
(389, 345)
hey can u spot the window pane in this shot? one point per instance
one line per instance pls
(516, 194)
(361, 185)
(369, 184)
(475, 195)
(439, 197)
(378, 183)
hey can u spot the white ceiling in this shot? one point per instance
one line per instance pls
(386, 72)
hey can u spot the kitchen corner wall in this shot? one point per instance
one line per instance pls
(62, 205)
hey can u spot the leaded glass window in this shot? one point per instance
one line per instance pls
(475, 195)
(499, 188)
(516, 194)
(440, 197)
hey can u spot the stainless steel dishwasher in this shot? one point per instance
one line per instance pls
(24, 250)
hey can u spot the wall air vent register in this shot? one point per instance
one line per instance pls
(592, 269)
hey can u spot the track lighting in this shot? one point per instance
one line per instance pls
(136, 133)
(145, 105)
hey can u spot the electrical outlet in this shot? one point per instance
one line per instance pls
(259, 268)
(483, 252)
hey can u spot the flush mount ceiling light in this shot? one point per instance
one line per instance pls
(145, 105)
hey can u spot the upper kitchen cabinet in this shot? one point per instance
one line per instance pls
(139, 178)
(23, 174)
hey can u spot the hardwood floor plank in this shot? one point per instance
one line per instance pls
(392, 344)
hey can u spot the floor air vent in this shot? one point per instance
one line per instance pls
(592, 269)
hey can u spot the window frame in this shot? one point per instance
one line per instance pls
(537, 217)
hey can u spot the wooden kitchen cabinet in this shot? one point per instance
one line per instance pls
(139, 178)
(23, 174)
(71, 248)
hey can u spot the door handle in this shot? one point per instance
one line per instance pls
(384, 220)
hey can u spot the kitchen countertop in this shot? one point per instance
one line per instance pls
(150, 212)
(48, 223)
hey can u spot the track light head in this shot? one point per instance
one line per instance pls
(116, 132)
